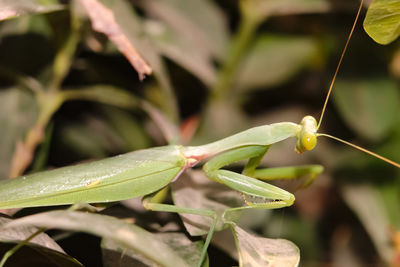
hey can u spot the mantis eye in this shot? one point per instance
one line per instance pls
(306, 137)
(308, 141)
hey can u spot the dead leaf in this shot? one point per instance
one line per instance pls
(103, 21)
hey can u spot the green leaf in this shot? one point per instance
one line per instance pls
(200, 21)
(382, 22)
(126, 235)
(273, 59)
(15, 8)
(261, 251)
(18, 113)
(262, 8)
(26, 24)
(390, 193)
(371, 106)
(177, 47)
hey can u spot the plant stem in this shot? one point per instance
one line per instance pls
(64, 58)
(240, 43)
(48, 103)
(12, 251)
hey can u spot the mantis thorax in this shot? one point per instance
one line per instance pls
(307, 136)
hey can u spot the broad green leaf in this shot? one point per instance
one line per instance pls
(26, 24)
(261, 251)
(390, 193)
(124, 234)
(273, 59)
(177, 47)
(391, 148)
(382, 22)
(15, 8)
(371, 106)
(199, 21)
(17, 114)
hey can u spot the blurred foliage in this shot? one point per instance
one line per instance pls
(382, 21)
(68, 94)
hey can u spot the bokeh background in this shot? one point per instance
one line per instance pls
(219, 67)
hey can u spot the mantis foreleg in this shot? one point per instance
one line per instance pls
(245, 184)
(271, 197)
(289, 173)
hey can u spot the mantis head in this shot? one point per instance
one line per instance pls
(307, 136)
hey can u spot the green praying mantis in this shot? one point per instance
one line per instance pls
(147, 172)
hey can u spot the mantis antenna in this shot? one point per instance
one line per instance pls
(362, 149)
(329, 93)
(339, 64)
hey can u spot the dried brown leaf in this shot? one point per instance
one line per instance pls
(103, 21)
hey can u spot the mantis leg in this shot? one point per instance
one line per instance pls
(152, 202)
(283, 173)
(289, 173)
(257, 194)
(272, 196)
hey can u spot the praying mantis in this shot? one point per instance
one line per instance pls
(147, 172)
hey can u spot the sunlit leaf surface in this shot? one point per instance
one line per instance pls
(382, 21)
(15, 8)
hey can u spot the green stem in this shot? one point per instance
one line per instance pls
(240, 43)
(12, 251)
(24, 80)
(64, 58)
(48, 102)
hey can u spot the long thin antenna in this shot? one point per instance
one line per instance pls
(362, 149)
(339, 64)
